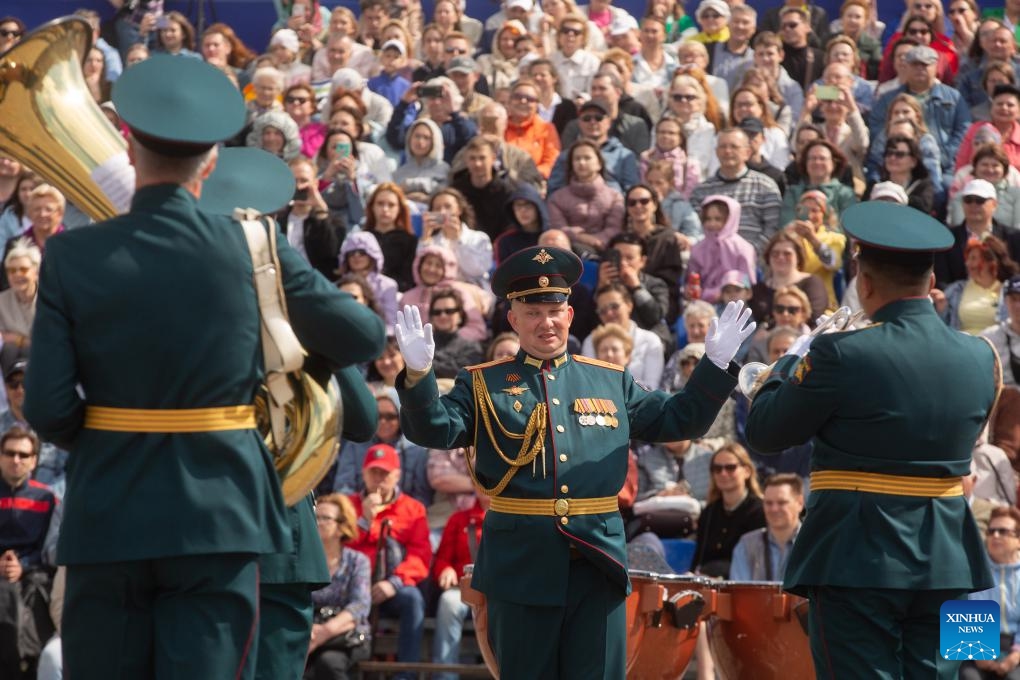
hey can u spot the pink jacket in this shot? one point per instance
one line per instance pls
(594, 207)
(421, 295)
(720, 252)
(686, 169)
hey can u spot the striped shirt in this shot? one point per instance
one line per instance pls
(759, 199)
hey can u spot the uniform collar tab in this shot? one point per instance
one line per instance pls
(539, 363)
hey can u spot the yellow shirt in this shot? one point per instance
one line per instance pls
(978, 307)
(812, 265)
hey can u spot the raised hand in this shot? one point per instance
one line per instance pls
(727, 332)
(414, 340)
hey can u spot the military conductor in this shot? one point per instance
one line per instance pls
(551, 433)
(894, 410)
(146, 362)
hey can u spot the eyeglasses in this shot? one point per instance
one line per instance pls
(711, 15)
(974, 200)
(456, 50)
(786, 309)
(20, 455)
(296, 100)
(918, 31)
(15, 384)
(631, 202)
(593, 118)
(791, 25)
(684, 97)
(724, 467)
(9, 34)
(992, 531)
(388, 416)
(894, 153)
(445, 311)
(18, 270)
(525, 98)
(322, 519)
(611, 307)
(571, 31)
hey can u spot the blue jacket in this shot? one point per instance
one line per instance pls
(1009, 576)
(619, 163)
(24, 518)
(945, 113)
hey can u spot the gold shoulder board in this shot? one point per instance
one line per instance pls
(487, 364)
(596, 362)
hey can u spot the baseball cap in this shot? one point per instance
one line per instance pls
(396, 45)
(735, 278)
(1012, 286)
(462, 65)
(526, 5)
(382, 456)
(622, 24)
(921, 54)
(719, 6)
(752, 125)
(597, 104)
(979, 187)
(889, 191)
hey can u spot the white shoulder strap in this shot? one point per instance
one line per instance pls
(281, 351)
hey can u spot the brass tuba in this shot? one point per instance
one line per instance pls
(49, 122)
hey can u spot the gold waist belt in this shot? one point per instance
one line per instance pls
(554, 507)
(213, 419)
(874, 482)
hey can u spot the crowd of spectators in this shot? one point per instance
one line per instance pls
(689, 159)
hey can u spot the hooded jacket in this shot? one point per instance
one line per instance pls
(514, 237)
(384, 288)
(722, 251)
(475, 298)
(593, 207)
(429, 174)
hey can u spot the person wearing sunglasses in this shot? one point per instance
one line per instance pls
(802, 59)
(11, 31)
(26, 511)
(574, 64)
(979, 200)
(734, 508)
(713, 17)
(903, 164)
(453, 350)
(552, 564)
(1003, 544)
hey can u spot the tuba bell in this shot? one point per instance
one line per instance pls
(753, 374)
(50, 123)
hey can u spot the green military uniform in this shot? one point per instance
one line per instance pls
(894, 410)
(552, 561)
(252, 178)
(171, 493)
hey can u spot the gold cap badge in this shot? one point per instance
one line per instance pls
(543, 257)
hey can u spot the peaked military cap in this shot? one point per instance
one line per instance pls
(537, 274)
(898, 228)
(177, 106)
(247, 178)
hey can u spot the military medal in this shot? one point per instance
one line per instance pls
(518, 406)
(600, 419)
(515, 390)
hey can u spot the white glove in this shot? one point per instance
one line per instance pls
(800, 346)
(415, 342)
(727, 333)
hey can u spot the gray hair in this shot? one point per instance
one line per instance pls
(24, 248)
(49, 191)
(744, 9)
(613, 79)
(699, 309)
(269, 73)
(456, 98)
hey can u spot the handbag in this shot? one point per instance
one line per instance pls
(343, 642)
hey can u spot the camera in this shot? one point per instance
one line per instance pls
(430, 91)
(301, 194)
(343, 149)
(613, 257)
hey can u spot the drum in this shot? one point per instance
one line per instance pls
(480, 614)
(663, 616)
(758, 631)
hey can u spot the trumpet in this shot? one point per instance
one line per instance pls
(753, 374)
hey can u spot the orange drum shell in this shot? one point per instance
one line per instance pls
(480, 614)
(663, 652)
(755, 633)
